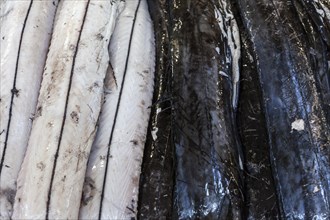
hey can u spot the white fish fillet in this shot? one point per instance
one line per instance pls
(111, 189)
(52, 175)
(229, 29)
(26, 28)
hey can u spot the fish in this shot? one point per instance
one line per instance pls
(319, 14)
(156, 180)
(112, 177)
(26, 28)
(50, 182)
(316, 29)
(261, 200)
(296, 123)
(208, 178)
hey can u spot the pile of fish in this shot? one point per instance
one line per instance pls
(165, 109)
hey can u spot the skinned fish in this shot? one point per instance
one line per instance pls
(51, 179)
(26, 28)
(208, 181)
(296, 121)
(112, 178)
(156, 182)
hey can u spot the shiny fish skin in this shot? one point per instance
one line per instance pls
(208, 181)
(115, 167)
(51, 179)
(156, 181)
(260, 193)
(26, 28)
(317, 43)
(299, 154)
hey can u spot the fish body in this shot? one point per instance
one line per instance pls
(261, 200)
(26, 28)
(115, 164)
(207, 171)
(51, 179)
(156, 182)
(296, 122)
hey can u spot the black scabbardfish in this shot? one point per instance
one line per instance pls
(260, 193)
(156, 183)
(208, 183)
(315, 28)
(298, 133)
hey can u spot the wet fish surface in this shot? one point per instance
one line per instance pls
(156, 181)
(208, 181)
(114, 169)
(260, 193)
(26, 28)
(295, 116)
(50, 183)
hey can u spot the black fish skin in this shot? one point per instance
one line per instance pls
(208, 183)
(316, 46)
(300, 158)
(260, 195)
(321, 23)
(156, 182)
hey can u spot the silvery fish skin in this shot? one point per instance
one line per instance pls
(208, 181)
(296, 121)
(156, 181)
(112, 179)
(50, 182)
(26, 28)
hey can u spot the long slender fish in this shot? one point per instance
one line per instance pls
(316, 30)
(51, 179)
(298, 133)
(156, 182)
(112, 178)
(208, 180)
(26, 28)
(260, 192)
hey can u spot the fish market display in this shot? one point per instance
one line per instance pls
(112, 179)
(165, 109)
(298, 133)
(50, 182)
(26, 28)
(156, 184)
(207, 177)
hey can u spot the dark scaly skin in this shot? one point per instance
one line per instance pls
(208, 182)
(300, 158)
(260, 195)
(156, 183)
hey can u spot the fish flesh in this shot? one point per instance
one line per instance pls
(50, 183)
(112, 178)
(208, 180)
(156, 181)
(297, 129)
(26, 28)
